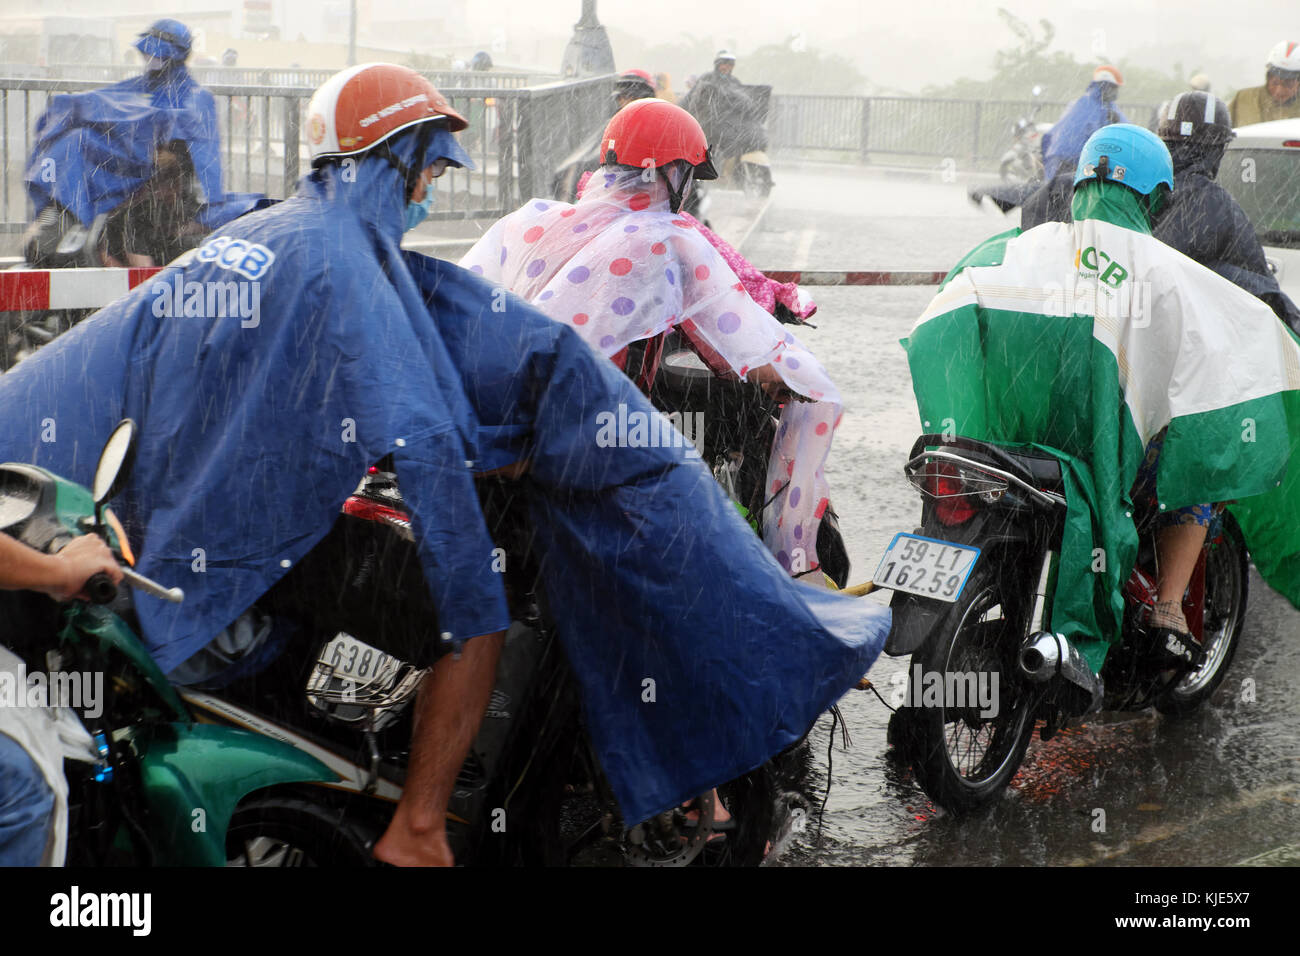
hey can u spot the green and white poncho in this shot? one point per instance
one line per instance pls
(1090, 337)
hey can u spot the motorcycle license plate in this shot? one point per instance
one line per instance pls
(356, 660)
(926, 566)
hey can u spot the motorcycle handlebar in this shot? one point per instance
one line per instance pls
(140, 582)
(100, 588)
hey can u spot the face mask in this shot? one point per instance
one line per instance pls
(416, 212)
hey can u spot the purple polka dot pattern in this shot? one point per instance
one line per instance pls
(477, 270)
(623, 306)
(795, 495)
(789, 339)
(579, 274)
(792, 363)
(535, 268)
(503, 255)
(672, 279)
(728, 322)
(541, 206)
(610, 178)
(606, 341)
(784, 558)
(545, 295)
(630, 228)
(580, 227)
(798, 532)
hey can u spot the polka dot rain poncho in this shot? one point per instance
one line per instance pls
(618, 267)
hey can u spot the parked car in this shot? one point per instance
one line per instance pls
(1261, 168)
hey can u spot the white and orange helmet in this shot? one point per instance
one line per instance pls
(359, 108)
(1285, 57)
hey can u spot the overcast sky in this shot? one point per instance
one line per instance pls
(896, 44)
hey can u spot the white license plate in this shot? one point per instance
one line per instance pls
(358, 661)
(926, 566)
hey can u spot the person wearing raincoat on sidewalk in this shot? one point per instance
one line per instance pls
(622, 265)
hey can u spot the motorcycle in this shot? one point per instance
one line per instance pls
(361, 610)
(1023, 160)
(1021, 165)
(973, 593)
(166, 790)
(734, 117)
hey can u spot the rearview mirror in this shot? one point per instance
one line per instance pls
(114, 463)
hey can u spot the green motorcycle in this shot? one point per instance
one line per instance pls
(167, 790)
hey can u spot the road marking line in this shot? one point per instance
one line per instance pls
(804, 249)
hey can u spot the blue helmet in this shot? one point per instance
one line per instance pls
(1126, 154)
(166, 39)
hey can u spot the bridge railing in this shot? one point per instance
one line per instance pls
(517, 137)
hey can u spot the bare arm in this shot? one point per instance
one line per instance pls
(60, 575)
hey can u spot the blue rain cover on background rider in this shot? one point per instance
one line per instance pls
(698, 657)
(1063, 143)
(94, 149)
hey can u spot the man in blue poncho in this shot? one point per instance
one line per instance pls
(143, 154)
(301, 345)
(1063, 143)
(1089, 113)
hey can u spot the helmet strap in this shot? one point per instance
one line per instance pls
(410, 176)
(676, 196)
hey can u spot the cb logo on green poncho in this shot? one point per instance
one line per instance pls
(1091, 259)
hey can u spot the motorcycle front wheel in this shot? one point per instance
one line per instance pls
(965, 752)
(280, 831)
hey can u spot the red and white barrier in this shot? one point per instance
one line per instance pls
(29, 290)
(858, 278)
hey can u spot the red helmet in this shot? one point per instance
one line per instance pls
(360, 107)
(655, 133)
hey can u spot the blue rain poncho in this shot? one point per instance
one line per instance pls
(253, 435)
(94, 149)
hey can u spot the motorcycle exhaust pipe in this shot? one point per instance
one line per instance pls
(1050, 659)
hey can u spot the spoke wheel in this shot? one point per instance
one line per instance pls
(964, 753)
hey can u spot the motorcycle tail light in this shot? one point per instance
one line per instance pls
(368, 510)
(957, 491)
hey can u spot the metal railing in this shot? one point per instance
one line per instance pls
(281, 77)
(971, 132)
(517, 137)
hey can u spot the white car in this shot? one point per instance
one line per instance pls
(1261, 168)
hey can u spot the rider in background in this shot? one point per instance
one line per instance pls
(1279, 97)
(97, 150)
(1061, 145)
(1202, 220)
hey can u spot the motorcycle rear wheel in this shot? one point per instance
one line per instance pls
(962, 760)
(1227, 578)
